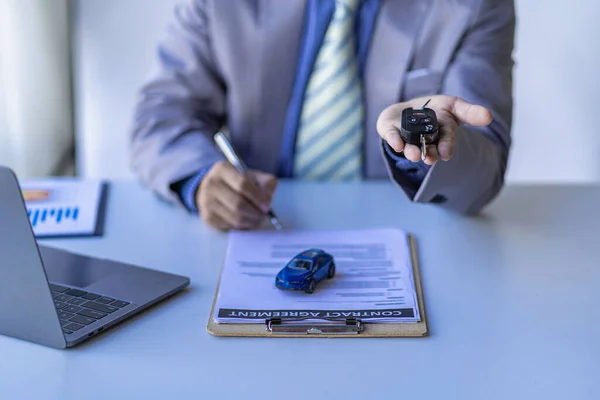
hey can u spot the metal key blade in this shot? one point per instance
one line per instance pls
(423, 148)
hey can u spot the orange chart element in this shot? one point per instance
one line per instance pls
(36, 195)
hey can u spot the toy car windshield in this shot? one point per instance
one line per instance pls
(300, 264)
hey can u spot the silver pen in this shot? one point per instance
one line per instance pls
(237, 162)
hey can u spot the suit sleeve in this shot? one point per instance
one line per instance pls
(481, 73)
(180, 107)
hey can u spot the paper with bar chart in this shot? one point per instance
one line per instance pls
(64, 206)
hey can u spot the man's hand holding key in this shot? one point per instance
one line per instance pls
(451, 113)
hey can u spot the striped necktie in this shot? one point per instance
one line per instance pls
(329, 140)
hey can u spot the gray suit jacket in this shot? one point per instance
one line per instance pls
(233, 62)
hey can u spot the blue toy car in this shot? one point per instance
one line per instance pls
(305, 270)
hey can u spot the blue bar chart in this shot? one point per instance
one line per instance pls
(52, 215)
(63, 207)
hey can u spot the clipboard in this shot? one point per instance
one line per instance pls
(349, 327)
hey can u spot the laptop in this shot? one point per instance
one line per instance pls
(59, 298)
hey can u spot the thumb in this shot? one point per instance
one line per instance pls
(471, 114)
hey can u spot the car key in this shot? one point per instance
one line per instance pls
(420, 127)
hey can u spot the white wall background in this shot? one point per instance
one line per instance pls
(556, 85)
(556, 134)
(113, 48)
(36, 132)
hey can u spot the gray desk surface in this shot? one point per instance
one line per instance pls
(512, 299)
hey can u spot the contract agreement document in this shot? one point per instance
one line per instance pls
(373, 281)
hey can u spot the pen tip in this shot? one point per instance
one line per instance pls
(276, 224)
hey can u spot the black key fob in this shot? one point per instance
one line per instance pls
(420, 127)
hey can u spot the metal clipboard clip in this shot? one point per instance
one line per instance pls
(292, 326)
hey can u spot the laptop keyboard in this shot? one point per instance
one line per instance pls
(77, 308)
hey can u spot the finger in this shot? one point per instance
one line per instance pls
(212, 211)
(387, 126)
(392, 137)
(471, 114)
(432, 155)
(445, 145)
(238, 204)
(216, 222)
(233, 220)
(245, 186)
(412, 152)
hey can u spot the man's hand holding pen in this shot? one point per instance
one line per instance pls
(230, 199)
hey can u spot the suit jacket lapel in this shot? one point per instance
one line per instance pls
(277, 50)
(391, 50)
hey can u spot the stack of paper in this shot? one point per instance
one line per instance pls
(373, 281)
(64, 206)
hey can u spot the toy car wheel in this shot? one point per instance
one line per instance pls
(310, 288)
(331, 271)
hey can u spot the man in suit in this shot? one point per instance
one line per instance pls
(314, 89)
